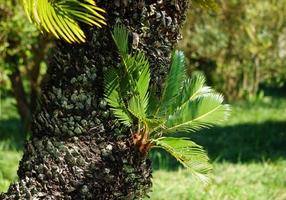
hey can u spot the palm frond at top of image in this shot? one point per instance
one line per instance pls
(61, 17)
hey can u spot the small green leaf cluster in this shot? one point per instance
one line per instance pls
(61, 17)
(186, 105)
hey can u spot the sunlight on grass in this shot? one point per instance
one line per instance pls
(263, 181)
(9, 161)
(268, 109)
(9, 143)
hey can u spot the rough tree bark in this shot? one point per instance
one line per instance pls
(78, 150)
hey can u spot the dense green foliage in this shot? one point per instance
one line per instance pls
(240, 47)
(186, 105)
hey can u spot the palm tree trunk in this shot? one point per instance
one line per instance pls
(78, 149)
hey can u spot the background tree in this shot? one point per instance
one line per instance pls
(22, 56)
(239, 47)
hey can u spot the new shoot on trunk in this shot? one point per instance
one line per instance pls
(186, 105)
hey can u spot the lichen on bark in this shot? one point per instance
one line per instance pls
(78, 149)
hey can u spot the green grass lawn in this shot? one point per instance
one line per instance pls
(8, 167)
(248, 155)
(10, 143)
(261, 181)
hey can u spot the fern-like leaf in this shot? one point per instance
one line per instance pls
(202, 112)
(192, 89)
(113, 98)
(118, 108)
(61, 17)
(189, 154)
(173, 83)
(138, 104)
(142, 85)
(120, 37)
(132, 79)
(153, 101)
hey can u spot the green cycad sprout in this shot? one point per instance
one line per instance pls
(186, 105)
(61, 17)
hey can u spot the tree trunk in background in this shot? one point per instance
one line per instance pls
(20, 95)
(78, 150)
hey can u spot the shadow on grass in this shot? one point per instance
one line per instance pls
(10, 134)
(238, 143)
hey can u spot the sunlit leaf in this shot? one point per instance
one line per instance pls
(189, 154)
(61, 18)
(202, 112)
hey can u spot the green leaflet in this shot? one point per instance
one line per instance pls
(202, 112)
(189, 154)
(173, 83)
(61, 17)
(118, 108)
(120, 37)
(192, 88)
(129, 84)
(113, 98)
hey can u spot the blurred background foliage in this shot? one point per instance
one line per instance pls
(240, 45)
(23, 52)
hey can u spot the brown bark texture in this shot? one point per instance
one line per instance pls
(78, 149)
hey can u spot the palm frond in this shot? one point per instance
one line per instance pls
(154, 124)
(136, 64)
(61, 17)
(133, 65)
(192, 88)
(120, 37)
(118, 108)
(189, 154)
(111, 81)
(142, 85)
(136, 108)
(140, 73)
(173, 83)
(113, 98)
(133, 77)
(202, 112)
(154, 100)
